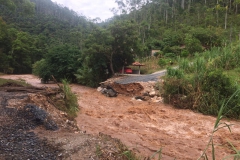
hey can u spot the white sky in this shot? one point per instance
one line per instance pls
(90, 8)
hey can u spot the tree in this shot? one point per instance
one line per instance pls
(63, 61)
(5, 47)
(25, 6)
(125, 45)
(22, 51)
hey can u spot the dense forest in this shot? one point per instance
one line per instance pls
(47, 39)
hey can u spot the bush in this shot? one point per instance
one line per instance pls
(204, 90)
(163, 62)
(169, 55)
(93, 70)
(61, 62)
(192, 44)
(216, 89)
(184, 53)
(41, 69)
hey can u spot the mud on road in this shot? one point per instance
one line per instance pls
(146, 127)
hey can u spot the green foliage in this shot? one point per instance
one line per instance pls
(125, 44)
(192, 44)
(60, 62)
(207, 37)
(172, 38)
(26, 6)
(200, 86)
(22, 51)
(217, 87)
(70, 100)
(41, 69)
(158, 54)
(184, 53)
(171, 72)
(94, 70)
(163, 62)
(217, 126)
(184, 65)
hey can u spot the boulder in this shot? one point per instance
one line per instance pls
(109, 92)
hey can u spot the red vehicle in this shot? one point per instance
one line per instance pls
(127, 70)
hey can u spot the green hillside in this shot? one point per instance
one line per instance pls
(60, 42)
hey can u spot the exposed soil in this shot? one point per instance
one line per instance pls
(127, 89)
(143, 126)
(31, 127)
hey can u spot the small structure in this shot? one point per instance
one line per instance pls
(154, 51)
(139, 65)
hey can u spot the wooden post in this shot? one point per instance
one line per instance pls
(139, 69)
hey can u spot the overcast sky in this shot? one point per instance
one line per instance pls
(90, 8)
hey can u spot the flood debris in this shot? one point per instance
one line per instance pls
(107, 91)
(113, 89)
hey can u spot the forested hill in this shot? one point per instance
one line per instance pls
(60, 42)
(46, 18)
(30, 28)
(168, 23)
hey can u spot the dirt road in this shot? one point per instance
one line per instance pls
(146, 126)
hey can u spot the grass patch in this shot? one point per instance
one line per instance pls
(234, 75)
(70, 100)
(17, 82)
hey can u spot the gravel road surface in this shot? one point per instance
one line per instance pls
(141, 78)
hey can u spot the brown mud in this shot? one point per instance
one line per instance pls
(145, 127)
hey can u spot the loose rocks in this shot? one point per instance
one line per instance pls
(107, 91)
(39, 116)
(16, 139)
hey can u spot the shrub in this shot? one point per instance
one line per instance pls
(203, 89)
(169, 55)
(41, 69)
(192, 44)
(70, 100)
(216, 89)
(61, 62)
(162, 62)
(184, 53)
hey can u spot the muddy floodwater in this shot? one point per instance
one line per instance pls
(145, 126)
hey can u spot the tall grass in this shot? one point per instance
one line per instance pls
(217, 126)
(184, 64)
(70, 99)
(203, 83)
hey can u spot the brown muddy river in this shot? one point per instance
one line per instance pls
(145, 127)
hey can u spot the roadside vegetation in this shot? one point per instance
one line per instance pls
(207, 81)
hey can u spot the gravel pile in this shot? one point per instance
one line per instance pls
(17, 141)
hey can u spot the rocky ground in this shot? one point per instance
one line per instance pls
(31, 127)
